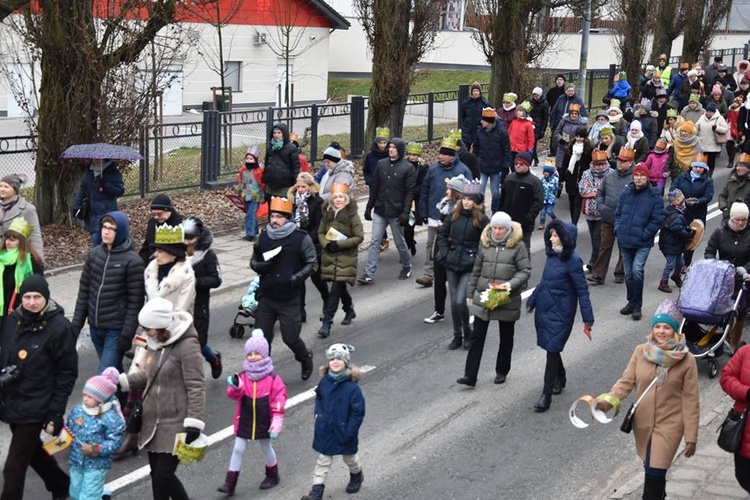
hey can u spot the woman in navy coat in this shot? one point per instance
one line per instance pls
(101, 184)
(562, 286)
(698, 188)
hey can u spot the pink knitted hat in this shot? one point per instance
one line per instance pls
(102, 387)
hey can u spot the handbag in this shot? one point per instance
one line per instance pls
(720, 138)
(135, 420)
(732, 430)
(627, 422)
(84, 209)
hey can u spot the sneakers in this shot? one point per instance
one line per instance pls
(594, 280)
(365, 280)
(434, 318)
(405, 273)
(425, 281)
(619, 279)
(216, 367)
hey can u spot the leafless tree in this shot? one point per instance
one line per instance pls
(701, 18)
(667, 25)
(634, 16)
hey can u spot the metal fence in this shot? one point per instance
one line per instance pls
(18, 156)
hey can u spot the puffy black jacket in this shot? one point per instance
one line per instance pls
(674, 233)
(471, 111)
(522, 197)
(540, 114)
(44, 348)
(459, 239)
(393, 182)
(207, 276)
(729, 245)
(282, 165)
(111, 290)
(492, 147)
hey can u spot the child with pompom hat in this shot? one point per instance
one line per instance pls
(97, 426)
(261, 395)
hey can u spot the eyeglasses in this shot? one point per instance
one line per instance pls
(109, 228)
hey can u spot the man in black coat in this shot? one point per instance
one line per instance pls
(110, 292)
(492, 147)
(40, 363)
(522, 196)
(471, 112)
(284, 256)
(162, 212)
(540, 115)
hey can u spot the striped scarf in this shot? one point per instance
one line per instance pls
(667, 354)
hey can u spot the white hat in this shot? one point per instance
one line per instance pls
(739, 209)
(156, 313)
(537, 91)
(340, 351)
(636, 125)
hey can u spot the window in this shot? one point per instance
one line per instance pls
(232, 75)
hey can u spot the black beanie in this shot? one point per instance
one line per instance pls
(162, 202)
(35, 283)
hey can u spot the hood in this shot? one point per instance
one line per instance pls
(400, 146)
(377, 151)
(284, 130)
(205, 239)
(343, 165)
(122, 234)
(567, 233)
(181, 323)
(623, 84)
(516, 236)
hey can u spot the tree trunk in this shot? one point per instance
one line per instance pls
(666, 27)
(633, 41)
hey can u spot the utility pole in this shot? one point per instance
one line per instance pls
(584, 51)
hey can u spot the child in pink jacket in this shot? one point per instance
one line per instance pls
(656, 163)
(260, 396)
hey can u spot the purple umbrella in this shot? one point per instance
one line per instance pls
(100, 151)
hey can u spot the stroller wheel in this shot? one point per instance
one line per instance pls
(713, 368)
(237, 331)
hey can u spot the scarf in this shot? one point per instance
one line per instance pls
(594, 132)
(196, 257)
(667, 354)
(501, 240)
(22, 271)
(103, 408)
(301, 210)
(277, 144)
(257, 370)
(282, 232)
(338, 375)
(733, 226)
(575, 156)
(510, 108)
(634, 137)
(7, 205)
(684, 150)
(615, 119)
(557, 249)
(694, 177)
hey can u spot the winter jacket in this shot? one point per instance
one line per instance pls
(735, 380)
(674, 233)
(563, 135)
(281, 278)
(731, 246)
(620, 90)
(522, 198)
(281, 167)
(43, 347)
(731, 119)
(588, 188)
(650, 130)
(705, 129)
(371, 161)
(648, 91)
(434, 184)
(341, 173)
(563, 285)
(553, 93)
(693, 114)
(339, 412)
(500, 263)
(110, 290)
(675, 85)
(470, 160)
(656, 163)
(609, 193)
(667, 413)
(22, 208)
(420, 171)
(105, 429)
(250, 183)
(560, 108)
(641, 149)
(259, 402)
(102, 193)
(521, 135)
(540, 115)
(392, 189)
(177, 397)
(550, 185)
(638, 217)
(661, 115)
(458, 241)
(147, 250)
(736, 189)
(471, 110)
(314, 213)
(571, 179)
(207, 272)
(492, 147)
(506, 116)
(701, 188)
(342, 264)
(178, 286)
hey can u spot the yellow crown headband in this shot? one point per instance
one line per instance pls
(21, 226)
(169, 235)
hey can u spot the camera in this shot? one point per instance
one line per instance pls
(8, 375)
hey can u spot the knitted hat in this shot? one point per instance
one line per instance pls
(548, 169)
(509, 97)
(537, 91)
(636, 125)
(626, 154)
(162, 202)
(332, 154)
(102, 387)
(456, 183)
(675, 197)
(35, 283)
(602, 113)
(156, 313)
(282, 206)
(693, 72)
(661, 92)
(257, 343)
(340, 351)
(524, 158)
(500, 219)
(414, 148)
(667, 312)
(739, 209)
(476, 85)
(614, 104)
(14, 180)
(650, 67)
(599, 156)
(716, 89)
(711, 107)
(640, 169)
(688, 127)
(581, 132)
(488, 115)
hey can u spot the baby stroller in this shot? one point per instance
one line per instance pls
(710, 309)
(246, 315)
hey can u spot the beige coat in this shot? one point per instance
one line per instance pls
(667, 413)
(178, 287)
(24, 209)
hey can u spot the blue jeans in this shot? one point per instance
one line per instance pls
(495, 180)
(634, 261)
(378, 230)
(674, 264)
(547, 209)
(105, 343)
(96, 239)
(208, 353)
(251, 221)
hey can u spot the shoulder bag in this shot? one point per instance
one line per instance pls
(135, 421)
(732, 430)
(627, 422)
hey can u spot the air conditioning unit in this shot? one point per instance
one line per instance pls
(259, 39)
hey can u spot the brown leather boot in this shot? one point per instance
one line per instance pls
(129, 445)
(735, 334)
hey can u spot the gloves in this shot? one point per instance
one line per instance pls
(691, 201)
(191, 434)
(332, 247)
(368, 214)
(124, 344)
(54, 424)
(275, 429)
(90, 450)
(296, 281)
(261, 266)
(233, 380)
(403, 219)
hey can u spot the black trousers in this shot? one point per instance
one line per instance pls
(26, 450)
(742, 471)
(576, 203)
(504, 352)
(287, 313)
(164, 482)
(440, 290)
(339, 291)
(553, 371)
(321, 285)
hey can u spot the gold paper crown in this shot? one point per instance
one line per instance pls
(626, 154)
(383, 132)
(574, 107)
(21, 226)
(700, 158)
(414, 148)
(339, 187)
(671, 113)
(509, 97)
(283, 205)
(744, 158)
(525, 105)
(599, 155)
(455, 134)
(549, 161)
(169, 235)
(448, 142)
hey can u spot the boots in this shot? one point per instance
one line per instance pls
(230, 483)
(654, 488)
(559, 384)
(216, 367)
(316, 492)
(355, 482)
(272, 477)
(349, 316)
(664, 286)
(456, 342)
(129, 444)
(457, 327)
(325, 329)
(307, 365)
(735, 334)
(543, 404)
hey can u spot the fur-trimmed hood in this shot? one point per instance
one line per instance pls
(568, 234)
(516, 236)
(354, 372)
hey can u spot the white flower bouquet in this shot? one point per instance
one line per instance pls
(495, 295)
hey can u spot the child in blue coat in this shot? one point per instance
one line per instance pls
(551, 185)
(673, 237)
(97, 426)
(339, 411)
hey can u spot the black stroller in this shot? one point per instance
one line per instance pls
(245, 317)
